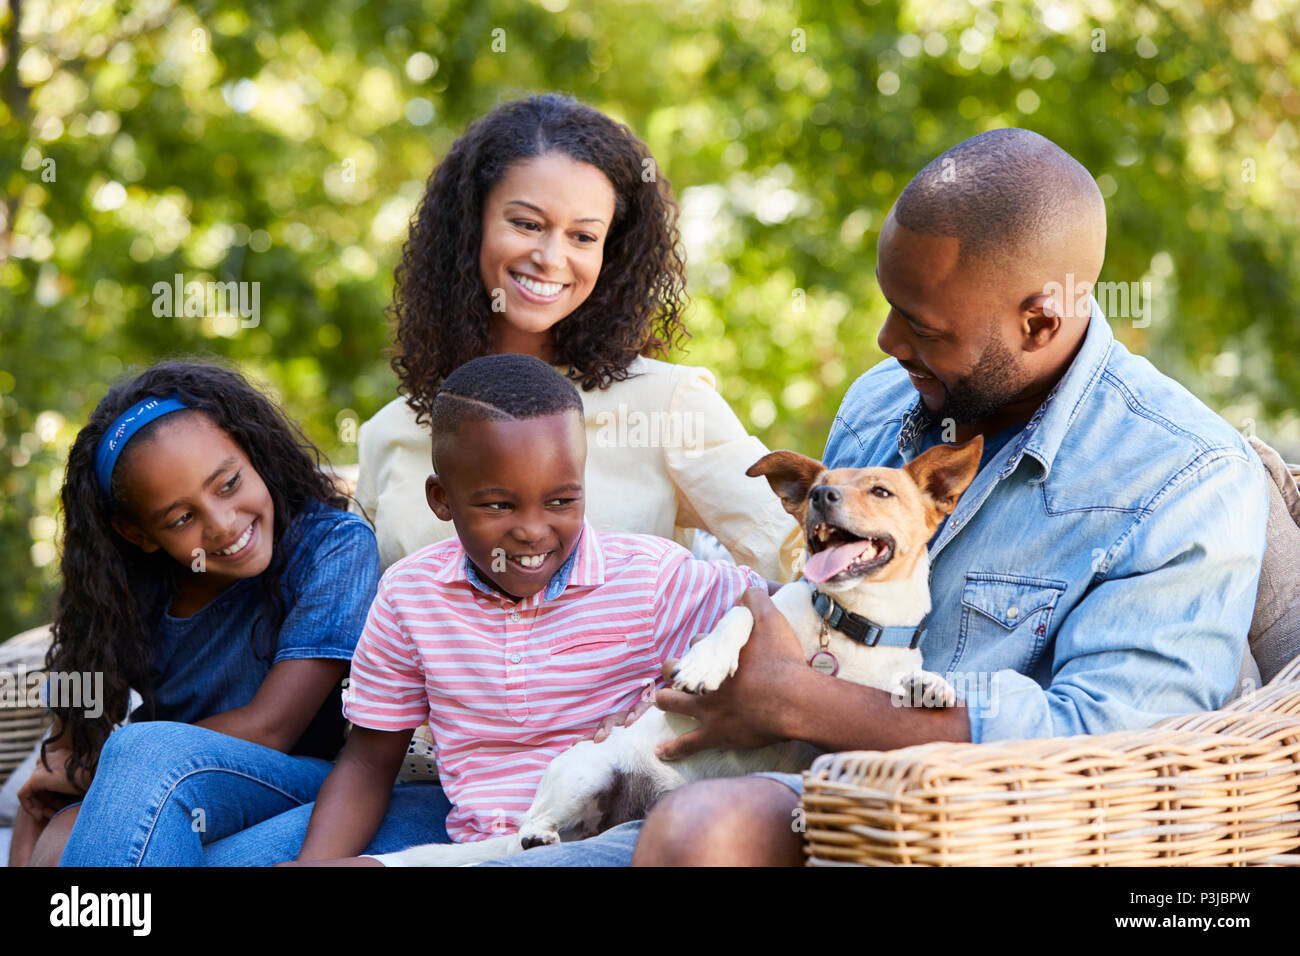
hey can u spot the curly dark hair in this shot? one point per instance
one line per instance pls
(441, 308)
(114, 594)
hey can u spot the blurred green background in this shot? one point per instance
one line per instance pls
(288, 143)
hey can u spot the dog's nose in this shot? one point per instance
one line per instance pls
(825, 496)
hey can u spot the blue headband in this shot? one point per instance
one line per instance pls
(126, 425)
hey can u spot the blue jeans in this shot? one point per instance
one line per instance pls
(173, 794)
(163, 790)
(614, 847)
(417, 814)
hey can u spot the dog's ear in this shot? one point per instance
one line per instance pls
(945, 471)
(790, 475)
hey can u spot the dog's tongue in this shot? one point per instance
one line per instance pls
(826, 564)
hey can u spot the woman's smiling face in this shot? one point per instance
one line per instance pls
(544, 228)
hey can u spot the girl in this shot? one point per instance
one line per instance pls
(206, 564)
(548, 230)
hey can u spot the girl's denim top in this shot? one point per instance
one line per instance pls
(208, 663)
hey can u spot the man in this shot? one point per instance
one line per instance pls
(1098, 574)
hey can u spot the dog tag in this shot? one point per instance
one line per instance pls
(824, 662)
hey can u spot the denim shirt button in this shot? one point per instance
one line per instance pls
(1013, 612)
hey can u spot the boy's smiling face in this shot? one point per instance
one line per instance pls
(514, 490)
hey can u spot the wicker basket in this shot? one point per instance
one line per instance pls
(1219, 788)
(21, 726)
(421, 763)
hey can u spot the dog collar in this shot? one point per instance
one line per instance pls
(858, 628)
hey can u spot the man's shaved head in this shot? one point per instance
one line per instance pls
(972, 261)
(1010, 196)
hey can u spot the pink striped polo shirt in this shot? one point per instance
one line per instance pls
(507, 685)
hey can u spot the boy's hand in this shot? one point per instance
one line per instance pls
(354, 797)
(746, 711)
(606, 726)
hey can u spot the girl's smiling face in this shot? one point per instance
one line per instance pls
(544, 228)
(192, 490)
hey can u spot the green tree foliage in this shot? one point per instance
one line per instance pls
(287, 144)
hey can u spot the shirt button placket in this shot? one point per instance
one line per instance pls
(516, 637)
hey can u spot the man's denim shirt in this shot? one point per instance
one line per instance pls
(1100, 571)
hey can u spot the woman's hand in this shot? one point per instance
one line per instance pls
(48, 789)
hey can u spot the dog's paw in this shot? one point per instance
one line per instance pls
(927, 689)
(531, 836)
(704, 667)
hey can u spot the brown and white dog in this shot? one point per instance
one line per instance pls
(867, 531)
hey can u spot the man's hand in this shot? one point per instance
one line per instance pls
(747, 710)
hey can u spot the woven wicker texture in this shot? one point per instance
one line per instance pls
(21, 726)
(420, 764)
(1220, 788)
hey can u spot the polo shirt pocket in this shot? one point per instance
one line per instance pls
(1006, 618)
(595, 672)
(577, 645)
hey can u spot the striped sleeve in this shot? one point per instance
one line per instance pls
(387, 687)
(692, 595)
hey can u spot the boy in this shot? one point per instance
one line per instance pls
(517, 637)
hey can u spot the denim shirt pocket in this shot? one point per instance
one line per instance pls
(1008, 617)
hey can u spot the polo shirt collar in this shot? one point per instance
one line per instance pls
(585, 567)
(1044, 432)
(587, 562)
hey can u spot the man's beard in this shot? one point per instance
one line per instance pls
(992, 384)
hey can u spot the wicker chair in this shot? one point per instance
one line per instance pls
(1214, 789)
(21, 726)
